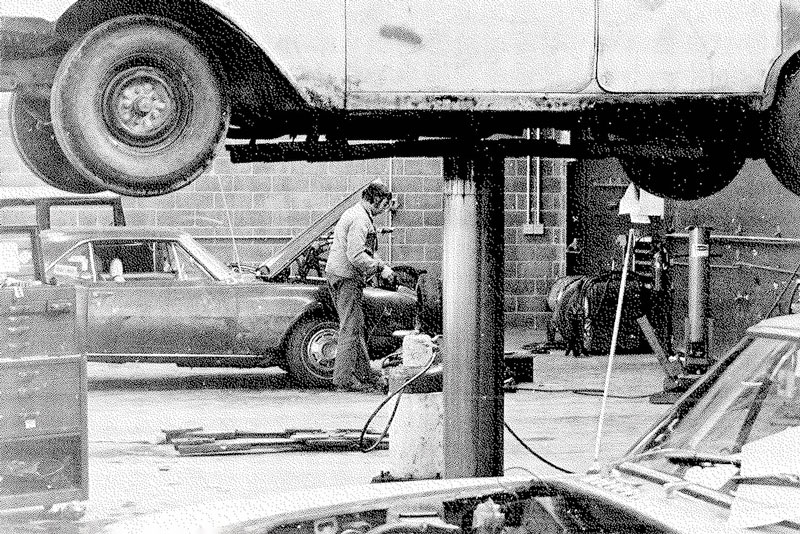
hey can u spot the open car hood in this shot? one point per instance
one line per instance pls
(610, 502)
(273, 266)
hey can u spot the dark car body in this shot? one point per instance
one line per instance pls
(722, 460)
(178, 303)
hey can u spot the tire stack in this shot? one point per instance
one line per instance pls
(566, 321)
(584, 308)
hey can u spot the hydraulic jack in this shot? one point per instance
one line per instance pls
(683, 369)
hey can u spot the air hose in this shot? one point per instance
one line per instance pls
(397, 393)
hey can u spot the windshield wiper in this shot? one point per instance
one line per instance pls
(688, 457)
(780, 479)
(681, 456)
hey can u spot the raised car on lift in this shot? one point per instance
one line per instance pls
(135, 96)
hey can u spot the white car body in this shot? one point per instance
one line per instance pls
(507, 55)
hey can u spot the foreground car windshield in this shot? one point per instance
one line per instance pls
(758, 395)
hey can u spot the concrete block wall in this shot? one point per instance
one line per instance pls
(262, 205)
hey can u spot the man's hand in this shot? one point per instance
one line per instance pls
(387, 273)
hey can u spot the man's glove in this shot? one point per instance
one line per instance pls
(387, 273)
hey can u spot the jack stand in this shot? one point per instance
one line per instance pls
(684, 370)
(677, 381)
(696, 361)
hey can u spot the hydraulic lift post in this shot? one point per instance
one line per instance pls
(472, 291)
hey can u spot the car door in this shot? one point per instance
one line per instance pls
(451, 46)
(164, 304)
(687, 46)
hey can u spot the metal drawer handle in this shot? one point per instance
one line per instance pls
(19, 346)
(18, 330)
(20, 308)
(29, 415)
(59, 306)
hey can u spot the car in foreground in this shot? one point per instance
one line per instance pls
(136, 96)
(157, 295)
(724, 458)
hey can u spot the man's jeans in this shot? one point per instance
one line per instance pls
(352, 359)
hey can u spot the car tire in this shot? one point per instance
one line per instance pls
(684, 178)
(32, 134)
(782, 133)
(407, 276)
(138, 107)
(310, 351)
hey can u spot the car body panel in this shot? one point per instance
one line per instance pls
(219, 317)
(686, 46)
(612, 498)
(265, 317)
(415, 54)
(451, 46)
(161, 317)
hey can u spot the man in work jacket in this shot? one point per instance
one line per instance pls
(351, 262)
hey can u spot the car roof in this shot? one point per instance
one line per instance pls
(783, 326)
(58, 241)
(113, 232)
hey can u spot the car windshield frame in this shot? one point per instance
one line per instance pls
(685, 431)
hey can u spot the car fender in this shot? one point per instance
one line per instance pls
(789, 59)
(308, 54)
(265, 318)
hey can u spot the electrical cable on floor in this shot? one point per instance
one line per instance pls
(398, 393)
(536, 454)
(589, 392)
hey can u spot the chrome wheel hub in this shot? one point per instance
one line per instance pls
(321, 349)
(141, 106)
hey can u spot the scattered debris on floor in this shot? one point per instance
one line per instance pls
(196, 442)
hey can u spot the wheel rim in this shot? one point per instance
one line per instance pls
(145, 106)
(321, 352)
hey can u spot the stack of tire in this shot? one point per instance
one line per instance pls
(584, 308)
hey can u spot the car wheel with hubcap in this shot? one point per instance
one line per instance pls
(138, 106)
(311, 350)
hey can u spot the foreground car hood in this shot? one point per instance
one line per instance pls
(279, 508)
(656, 506)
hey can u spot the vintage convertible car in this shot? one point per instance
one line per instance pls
(157, 295)
(723, 459)
(136, 95)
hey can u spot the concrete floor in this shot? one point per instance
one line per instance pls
(132, 473)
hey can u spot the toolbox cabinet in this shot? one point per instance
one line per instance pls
(43, 426)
